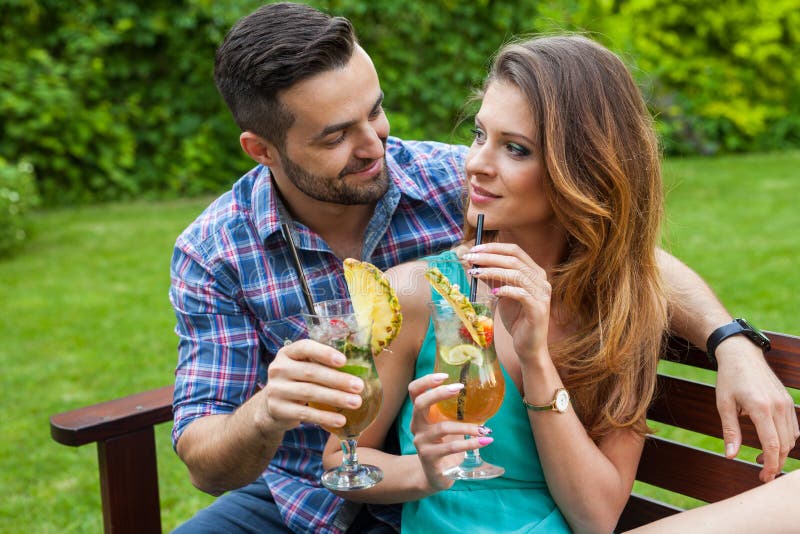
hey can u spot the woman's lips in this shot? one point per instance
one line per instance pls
(478, 195)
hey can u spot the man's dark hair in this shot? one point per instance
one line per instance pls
(270, 50)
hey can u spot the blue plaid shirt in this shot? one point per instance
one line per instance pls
(237, 299)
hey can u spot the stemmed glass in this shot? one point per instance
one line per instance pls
(478, 369)
(335, 325)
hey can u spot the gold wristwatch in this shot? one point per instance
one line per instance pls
(559, 404)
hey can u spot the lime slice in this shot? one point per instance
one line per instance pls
(461, 354)
(361, 371)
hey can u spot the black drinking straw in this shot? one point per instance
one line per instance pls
(473, 286)
(287, 235)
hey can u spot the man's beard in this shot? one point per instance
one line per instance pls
(337, 190)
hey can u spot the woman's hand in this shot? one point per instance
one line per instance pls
(440, 442)
(524, 292)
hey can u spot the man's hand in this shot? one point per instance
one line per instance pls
(747, 386)
(224, 452)
(302, 373)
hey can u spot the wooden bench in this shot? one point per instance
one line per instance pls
(123, 431)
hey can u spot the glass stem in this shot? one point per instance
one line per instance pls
(472, 458)
(350, 458)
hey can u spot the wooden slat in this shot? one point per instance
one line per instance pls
(113, 418)
(641, 510)
(784, 358)
(129, 483)
(694, 472)
(692, 405)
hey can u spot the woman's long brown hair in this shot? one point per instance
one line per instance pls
(603, 180)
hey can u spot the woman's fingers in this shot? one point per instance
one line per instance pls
(424, 383)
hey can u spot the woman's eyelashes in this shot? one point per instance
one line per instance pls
(515, 149)
(478, 135)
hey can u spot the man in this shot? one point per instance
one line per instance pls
(309, 104)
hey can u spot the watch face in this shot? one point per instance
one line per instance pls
(755, 335)
(562, 400)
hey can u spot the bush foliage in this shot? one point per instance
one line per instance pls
(115, 99)
(17, 197)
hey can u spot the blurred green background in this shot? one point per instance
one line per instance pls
(113, 138)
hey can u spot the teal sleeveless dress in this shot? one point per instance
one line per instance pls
(518, 501)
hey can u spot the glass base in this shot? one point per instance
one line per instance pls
(481, 471)
(362, 477)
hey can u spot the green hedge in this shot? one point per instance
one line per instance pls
(115, 99)
(17, 197)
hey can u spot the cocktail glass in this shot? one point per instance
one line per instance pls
(477, 368)
(335, 325)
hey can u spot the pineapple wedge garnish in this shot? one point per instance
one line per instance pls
(374, 301)
(461, 305)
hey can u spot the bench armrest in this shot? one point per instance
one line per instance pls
(126, 454)
(114, 418)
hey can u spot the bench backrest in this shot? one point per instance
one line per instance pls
(683, 468)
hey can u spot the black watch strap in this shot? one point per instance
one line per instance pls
(737, 326)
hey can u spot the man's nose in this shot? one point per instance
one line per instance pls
(372, 144)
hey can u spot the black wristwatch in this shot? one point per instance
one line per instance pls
(737, 326)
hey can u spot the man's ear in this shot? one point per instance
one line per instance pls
(259, 149)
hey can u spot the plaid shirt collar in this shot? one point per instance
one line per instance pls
(269, 210)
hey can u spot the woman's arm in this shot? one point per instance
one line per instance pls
(590, 482)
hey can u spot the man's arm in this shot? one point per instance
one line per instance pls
(226, 430)
(228, 451)
(745, 383)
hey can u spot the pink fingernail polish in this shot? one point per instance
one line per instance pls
(495, 290)
(438, 377)
(485, 441)
(455, 387)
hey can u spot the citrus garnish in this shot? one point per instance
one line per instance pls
(461, 305)
(461, 354)
(361, 371)
(374, 301)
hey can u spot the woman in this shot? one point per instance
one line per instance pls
(565, 168)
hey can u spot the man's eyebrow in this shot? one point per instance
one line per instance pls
(346, 124)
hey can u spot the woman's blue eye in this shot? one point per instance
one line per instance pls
(477, 134)
(518, 150)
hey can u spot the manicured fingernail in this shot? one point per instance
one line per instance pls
(729, 449)
(477, 248)
(495, 290)
(454, 387)
(485, 441)
(484, 430)
(439, 377)
(474, 271)
(468, 257)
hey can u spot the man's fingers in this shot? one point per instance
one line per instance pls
(770, 445)
(731, 433)
(310, 350)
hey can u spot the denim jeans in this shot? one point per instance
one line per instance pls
(251, 509)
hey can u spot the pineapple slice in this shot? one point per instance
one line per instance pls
(463, 307)
(374, 301)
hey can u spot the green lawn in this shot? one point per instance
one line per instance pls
(85, 317)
